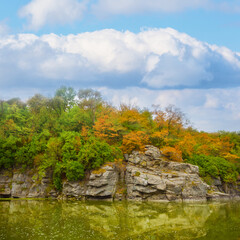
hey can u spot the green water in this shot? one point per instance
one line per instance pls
(29, 219)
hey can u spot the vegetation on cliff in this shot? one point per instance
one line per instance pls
(75, 132)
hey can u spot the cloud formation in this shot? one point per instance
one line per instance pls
(156, 66)
(42, 12)
(156, 58)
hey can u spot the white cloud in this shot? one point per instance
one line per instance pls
(155, 58)
(163, 57)
(131, 68)
(42, 12)
(211, 101)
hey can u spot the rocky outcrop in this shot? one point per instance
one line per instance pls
(5, 184)
(147, 176)
(18, 184)
(101, 184)
(222, 191)
(150, 177)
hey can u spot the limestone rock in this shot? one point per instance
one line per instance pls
(102, 183)
(158, 179)
(21, 185)
(5, 184)
(148, 176)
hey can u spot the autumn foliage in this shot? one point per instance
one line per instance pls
(134, 141)
(72, 133)
(173, 154)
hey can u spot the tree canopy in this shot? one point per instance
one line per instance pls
(76, 131)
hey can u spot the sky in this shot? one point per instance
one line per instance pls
(138, 52)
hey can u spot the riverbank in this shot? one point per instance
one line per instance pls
(148, 176)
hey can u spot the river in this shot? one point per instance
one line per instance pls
(41, 219)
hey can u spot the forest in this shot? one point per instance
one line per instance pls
(76, 131)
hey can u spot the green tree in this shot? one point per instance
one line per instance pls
(90, 100)
(67, 94)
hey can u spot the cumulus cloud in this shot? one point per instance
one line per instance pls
(155, 58)
(42, 12)
(156, 66)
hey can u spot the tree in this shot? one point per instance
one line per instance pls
(36, 103)
(173, 154)
(132, 119)
(90, 100)
(67, 94)
(172, 118)
(134, 141)
(108, 127)
(57, 105)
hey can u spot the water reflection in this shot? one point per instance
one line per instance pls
(22, 219)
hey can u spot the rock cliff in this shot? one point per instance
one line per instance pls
(148, 176)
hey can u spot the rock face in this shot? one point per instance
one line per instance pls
(148, 176)
(5, 184)
(101, 184)
(25, 185)
(221, 191)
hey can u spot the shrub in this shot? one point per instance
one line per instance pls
(215, 167)
(95, 153)
(74, 171)
(172, 153)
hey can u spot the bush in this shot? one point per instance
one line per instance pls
(172, 153)
(215, 167)
(74, 171)
(57, 176)
(8, 149)
(95, 153)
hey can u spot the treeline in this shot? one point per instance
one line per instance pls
(74, 132)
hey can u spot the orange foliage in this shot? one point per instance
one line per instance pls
(84, 132)
(130, 116)
(160, 137)
(160, 119)
(104, 129)
(107, 127)
(212, 144)
(173, 154)
(134, 141)
(232, 157)
(187, 144)
(172, 119)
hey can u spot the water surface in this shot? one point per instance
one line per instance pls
(29, 219)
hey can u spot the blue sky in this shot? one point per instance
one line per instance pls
(184, 52)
